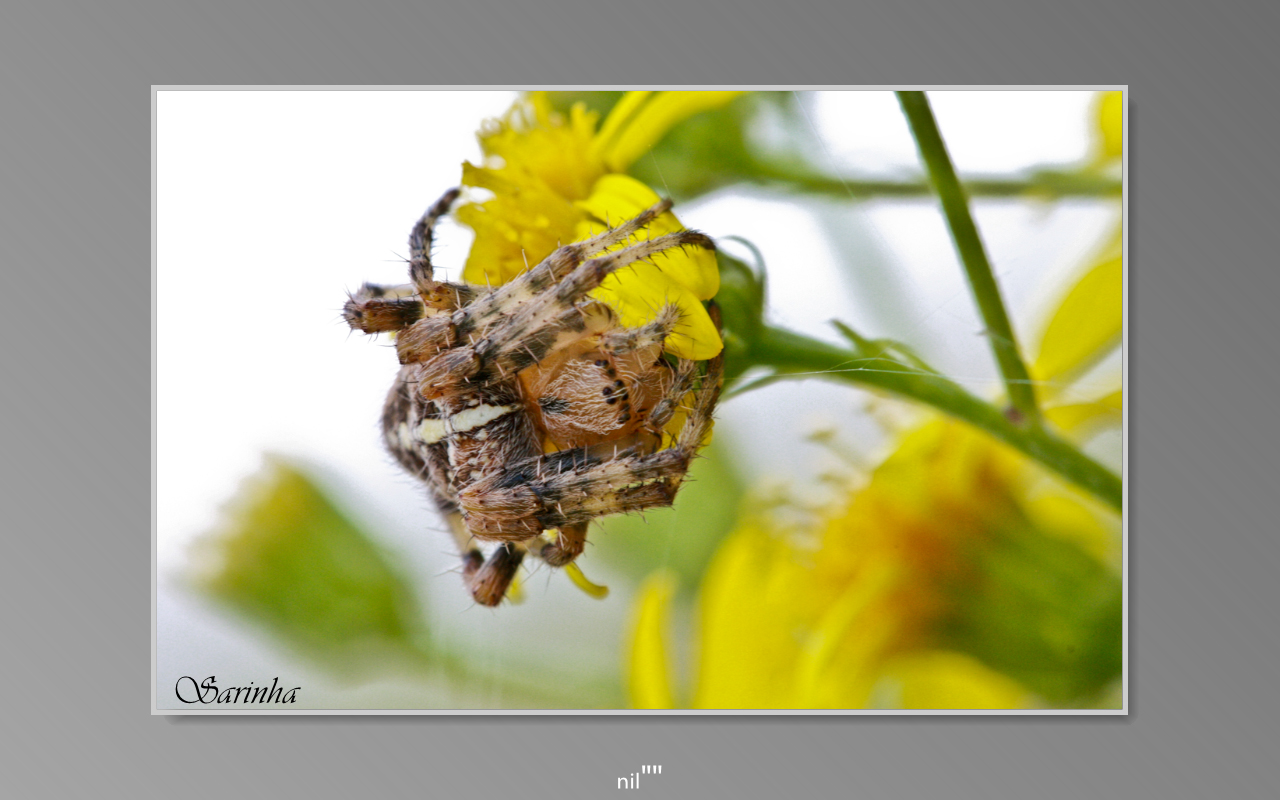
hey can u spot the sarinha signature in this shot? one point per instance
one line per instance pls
(207, 691)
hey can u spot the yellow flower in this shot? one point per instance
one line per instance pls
(558, 179)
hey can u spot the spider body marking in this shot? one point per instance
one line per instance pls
(528, 408)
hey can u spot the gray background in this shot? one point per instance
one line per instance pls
(76, 412)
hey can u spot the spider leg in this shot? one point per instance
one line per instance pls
(445, 365)
(572, 487)
(420, 270)
(553, 269)
(377, 309)
(489, 579)
(380, 309)
(568, 545)
(482, 311)
(620, 341)
(437, 295)
(686, 374)
(527, 335)
(545, 307)
(665, 409)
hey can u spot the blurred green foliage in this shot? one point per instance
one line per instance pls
(292, 562)
(1045, 613)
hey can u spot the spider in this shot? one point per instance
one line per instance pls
(528, 410)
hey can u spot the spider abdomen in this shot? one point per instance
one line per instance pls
(583, 395)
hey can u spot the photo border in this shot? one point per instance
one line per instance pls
(676, 713)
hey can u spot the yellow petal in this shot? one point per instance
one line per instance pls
(648, 667)
(681, 277)
(533, 145)
(640, 291)
(840, 654)
(748, 650)
(521, 225)
(616, 198)
(618, 118)
(1087, 324)
(1076, 419)
(646, 125)
(945, 680)
(594, 590)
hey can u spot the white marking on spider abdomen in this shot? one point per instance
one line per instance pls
(468, 419)
(404, 435)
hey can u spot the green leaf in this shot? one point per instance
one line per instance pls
(290, 561)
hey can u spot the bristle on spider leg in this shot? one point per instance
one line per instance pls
(613, 236)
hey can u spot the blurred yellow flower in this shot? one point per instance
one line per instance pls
(956, 575)
(944, 582)
(1109, 131)
(558, 179)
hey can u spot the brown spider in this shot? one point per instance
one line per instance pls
(491, 380)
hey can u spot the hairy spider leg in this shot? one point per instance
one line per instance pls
(485, 309)
(489, 579)
(434, 293)
(543, 309)
(568, 545)
(378, 309)
(551, 270)
(528, 334)
(665, 409)
(620, 341)
(381, 309)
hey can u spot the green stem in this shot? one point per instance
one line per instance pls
(1049, 184)
(972, 254)
(792, 353)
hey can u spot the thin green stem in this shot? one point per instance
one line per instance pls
(790, 353)
(973, 255)
(1048, 184)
